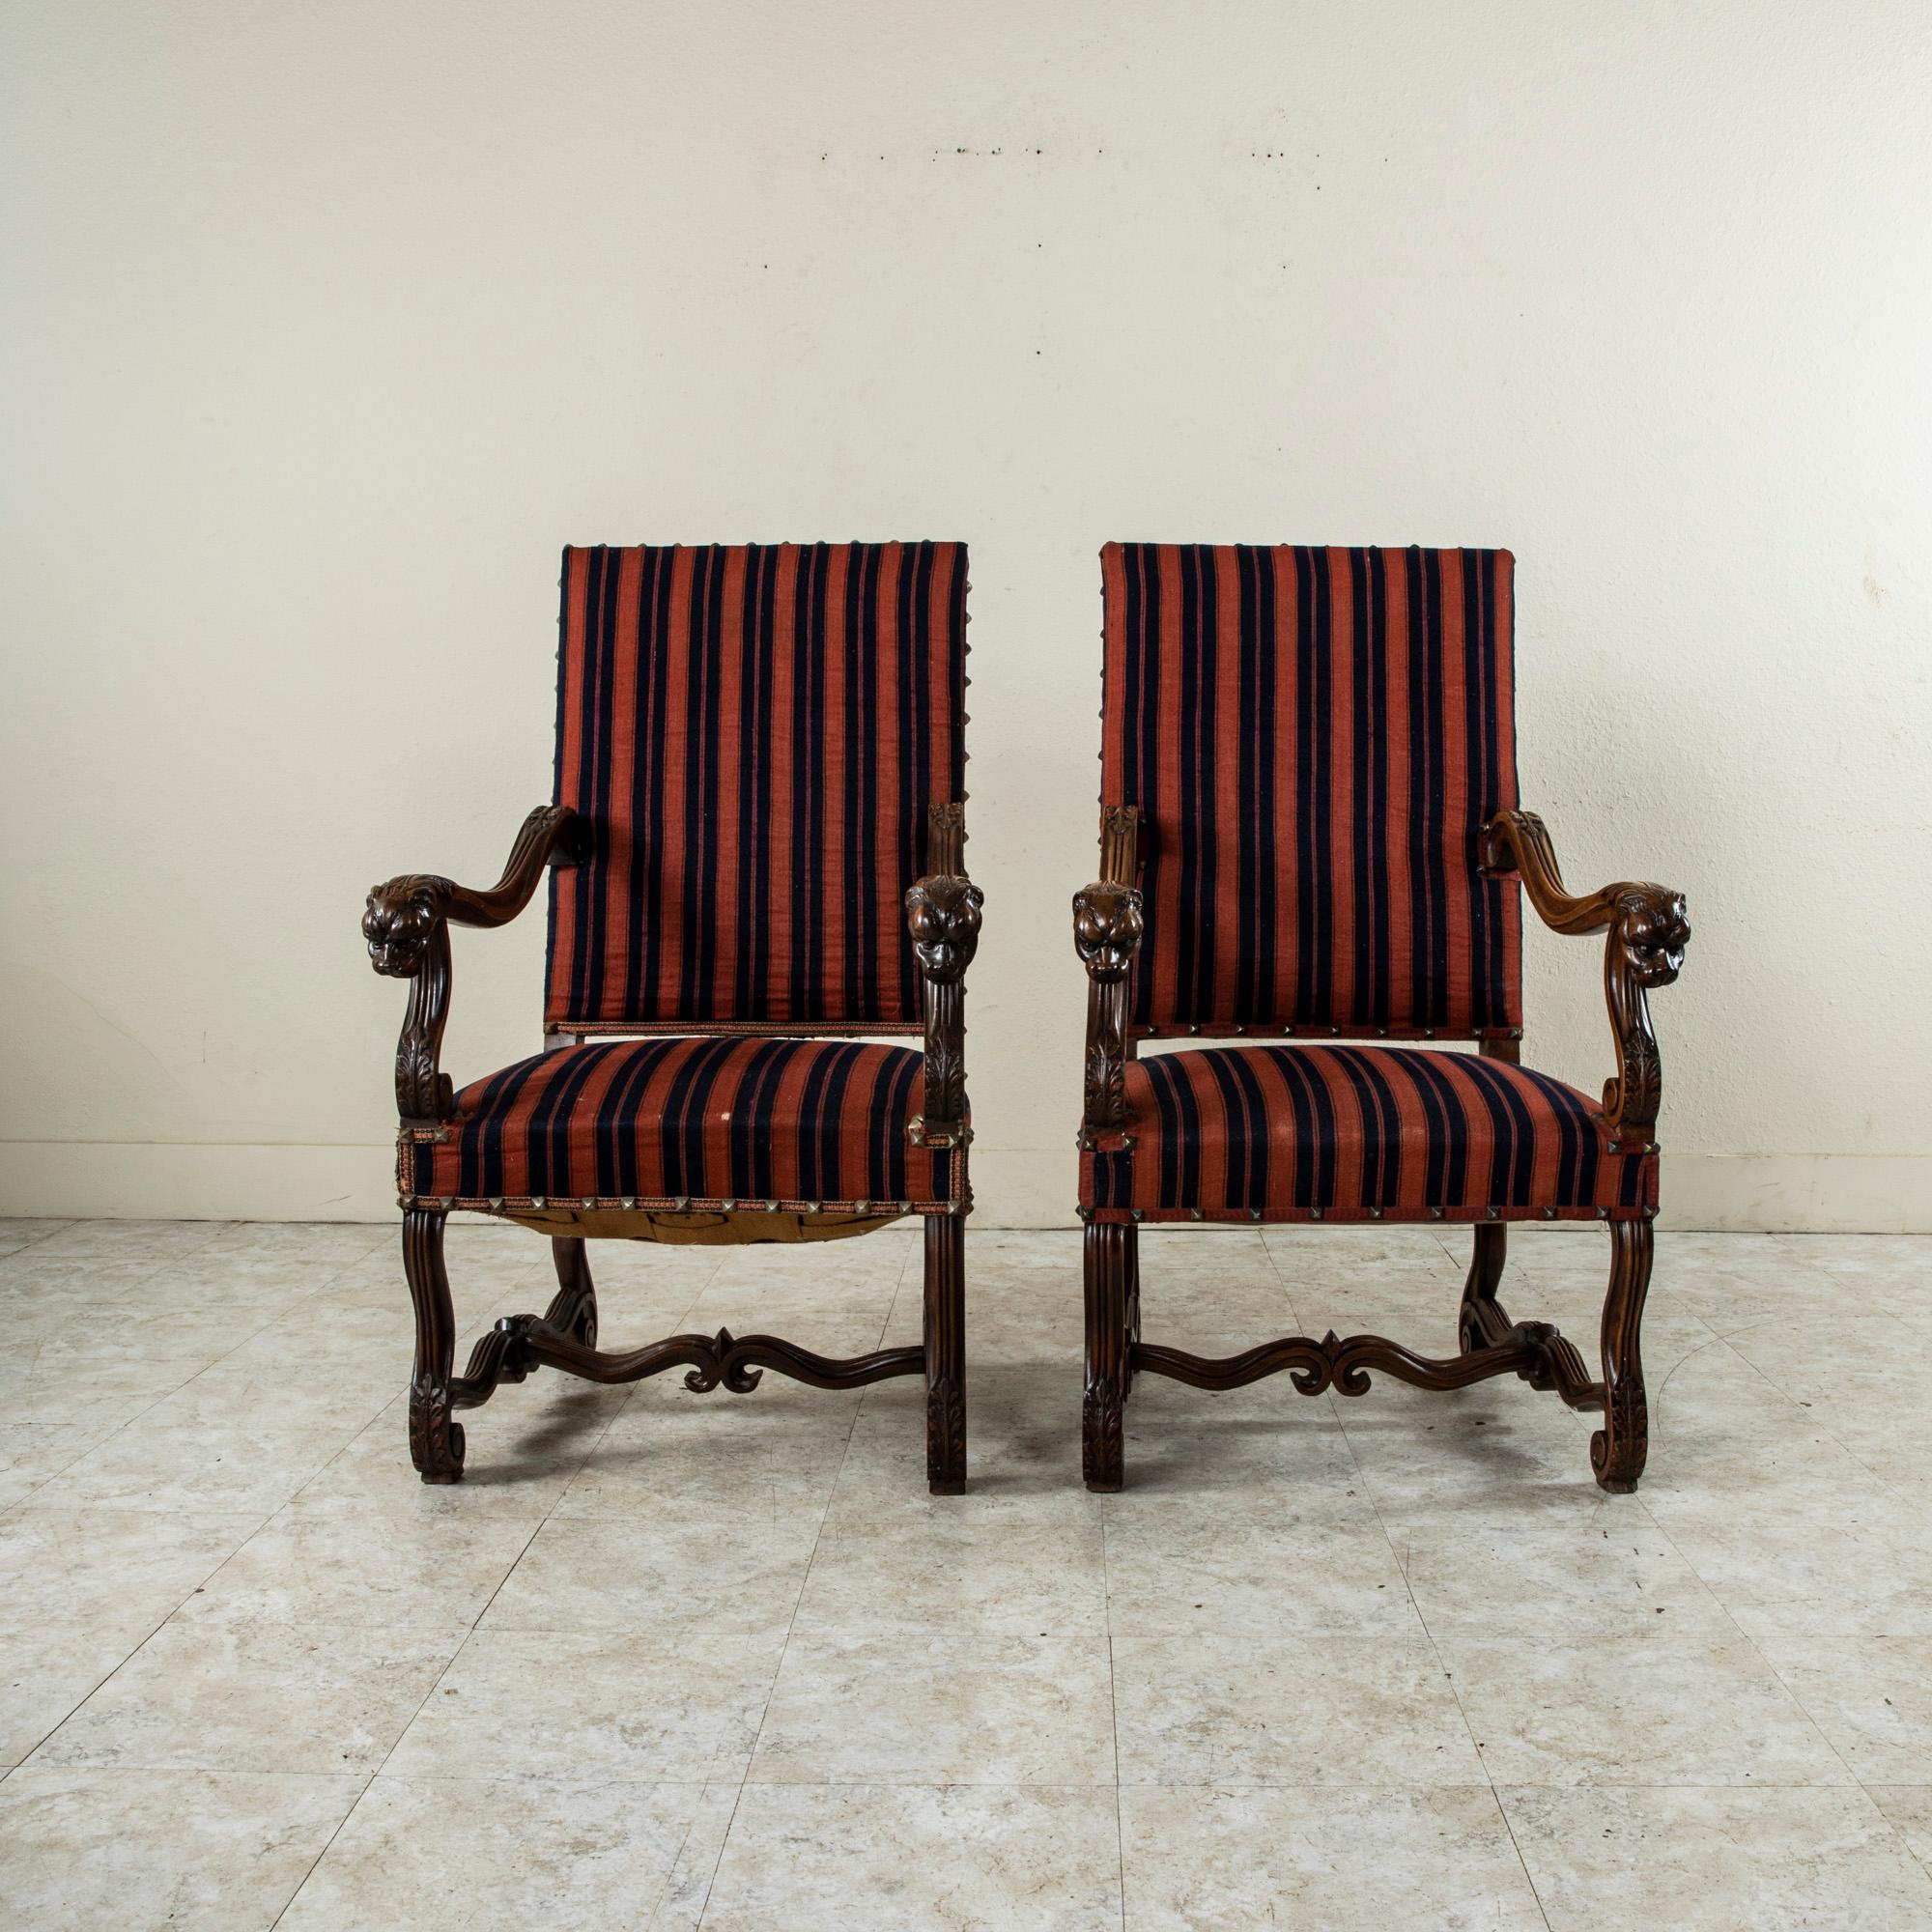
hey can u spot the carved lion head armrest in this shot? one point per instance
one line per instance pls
(943, 913)
(406, 921)
(1648, 932)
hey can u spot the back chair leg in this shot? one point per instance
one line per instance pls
(946, 1354)
(436, 1437)
(1617, 1450)
(572, 1308)
(1112, 1273)
(1477, 1322)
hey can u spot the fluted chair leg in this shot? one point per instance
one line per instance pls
(1111, 1270)
(945, 1354)
(1618, 1450)
(436, 1437)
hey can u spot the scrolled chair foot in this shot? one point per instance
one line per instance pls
(435, 1436)
(1103, 1456)
(1619, 1450)
(946, 1438)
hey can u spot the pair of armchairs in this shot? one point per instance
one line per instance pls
(757, 879)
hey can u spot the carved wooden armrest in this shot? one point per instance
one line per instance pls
(1648, 933)
(943, 918)
(406, 923)
(1107, 926)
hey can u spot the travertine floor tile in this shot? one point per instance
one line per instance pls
(1909, 1809)
(517, 1855)
(1285, 1563)
(864, 1857)
(374, 1572)
(1018, 1565)
(1285, 1639)
(1848, 1559)
(23, 1232)
(949, 1709)
(1656, 1709)
(158, 1240)
(33, 1453)
(1578, 1565)
(255, 1697)
(1698, 1860)
(1871, 1696)
(61, 1569)
(522, 1458)
(656, 1578)
(185, 1454)
(46, 1673)
(595, 1707)
(1346, 1860)
(1221, 1710)
(83, 1850)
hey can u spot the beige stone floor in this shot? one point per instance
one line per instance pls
(670, 1660)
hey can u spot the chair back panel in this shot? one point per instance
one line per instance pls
(1316, 738)
(754, 734)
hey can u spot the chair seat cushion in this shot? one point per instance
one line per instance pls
(1357, 1133)
(706, 1123)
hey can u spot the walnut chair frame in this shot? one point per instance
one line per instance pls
(1646, 932)
(406, 923)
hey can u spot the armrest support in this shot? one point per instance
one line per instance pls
(1648, 932)
(1108, 920)
(406, 924)
(943, 913)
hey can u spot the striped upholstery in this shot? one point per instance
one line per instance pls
(647, 1122)
(754, 734)
(1308, 1133)
(1316, 738)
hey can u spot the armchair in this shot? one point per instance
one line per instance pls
(1309, 834)
(757, 864)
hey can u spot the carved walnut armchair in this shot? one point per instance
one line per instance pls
(756, 864)
(1309, 835)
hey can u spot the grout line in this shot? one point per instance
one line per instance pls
(784, 1646)
(1436, 1649)
(401, 1730)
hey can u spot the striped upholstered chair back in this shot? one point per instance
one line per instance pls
(1315, 739)
(754, 734)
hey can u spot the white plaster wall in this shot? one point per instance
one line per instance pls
(325, 326)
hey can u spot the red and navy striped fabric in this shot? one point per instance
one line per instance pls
(699, 1123)
(1316, 738)
(754, 734)
(1358, 1133)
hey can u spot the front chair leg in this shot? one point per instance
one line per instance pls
(1618, 1449)
(1112, 1262)
(572, 1308)
(945, 1354)
(436, 1437)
